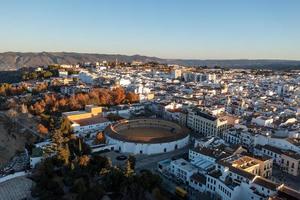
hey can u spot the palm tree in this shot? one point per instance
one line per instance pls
(64, 154)
(132, 162)
(128, 170)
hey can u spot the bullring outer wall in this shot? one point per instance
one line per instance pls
(178, 140)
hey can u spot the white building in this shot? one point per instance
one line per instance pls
(176, 73)
(182, 170)
(206, 124)
(124, 82)
(263, 121)
(140, 143)
(87, 77)
(63, 74)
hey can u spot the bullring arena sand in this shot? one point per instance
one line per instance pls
(145, 134)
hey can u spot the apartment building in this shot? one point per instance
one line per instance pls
(290, 162)
(182, 170)
(239, 136)
(205, 123)
(287, 160)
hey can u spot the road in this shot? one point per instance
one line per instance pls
(144, 161)
(150, 161)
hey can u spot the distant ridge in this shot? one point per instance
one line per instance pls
(16, 60)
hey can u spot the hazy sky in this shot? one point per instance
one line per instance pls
(203, 29)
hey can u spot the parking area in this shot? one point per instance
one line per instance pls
(144, 161)
(15, 189)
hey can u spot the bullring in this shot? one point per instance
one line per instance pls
(146, 136)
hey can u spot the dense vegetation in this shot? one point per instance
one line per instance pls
(75, 174)
(52, 105)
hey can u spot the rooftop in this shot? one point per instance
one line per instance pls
(91, 121)
(183, 164)
(271, 148)
(204, 115)
(265, 183)
(214, 153)
(199, 178)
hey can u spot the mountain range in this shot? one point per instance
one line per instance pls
(17, 60)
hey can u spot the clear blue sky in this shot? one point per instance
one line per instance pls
(203, 29)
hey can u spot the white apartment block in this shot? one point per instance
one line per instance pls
(206, 124)
(182, 170)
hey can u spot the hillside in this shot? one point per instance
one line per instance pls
(16, 60)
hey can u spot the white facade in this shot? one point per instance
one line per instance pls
(205, 123)
(263, 121)
(87, 77)
(176, 73)
(281, 143)
(147, 148)
(63, 74)
(90, 128)
(182, 170)
(124, 82)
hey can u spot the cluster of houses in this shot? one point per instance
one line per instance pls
(225, 172)
(244, 124)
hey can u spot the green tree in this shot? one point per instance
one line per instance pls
(47, 74)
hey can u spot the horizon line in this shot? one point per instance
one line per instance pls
(120, 54)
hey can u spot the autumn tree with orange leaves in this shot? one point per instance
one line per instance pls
(118, 95)
(52, 103)
(131, 97)
(42, 129)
